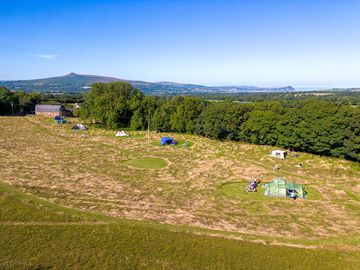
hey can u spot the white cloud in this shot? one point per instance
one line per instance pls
(47, 56)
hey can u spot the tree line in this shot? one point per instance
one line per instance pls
(17, 102)
(316, 126)
(351, 97)
(20, 102)
(313, 125)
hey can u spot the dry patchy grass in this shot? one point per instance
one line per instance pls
(87, 170)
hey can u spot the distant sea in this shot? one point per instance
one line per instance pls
(313, 88)
(321, 88)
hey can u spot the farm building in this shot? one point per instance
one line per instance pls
(51, 110)
(279, 154)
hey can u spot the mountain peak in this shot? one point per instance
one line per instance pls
(71, 74)
(76, 82)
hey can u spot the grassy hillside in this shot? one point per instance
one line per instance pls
(71, 198)
(43, 236)
(73, 82)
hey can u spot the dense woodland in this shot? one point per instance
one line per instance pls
(311, 125)
(351, 97)
(320, 125)
(20, 102)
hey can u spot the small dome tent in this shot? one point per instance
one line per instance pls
(281, 188)
(167, 140)
(121, 134)
(279, 154)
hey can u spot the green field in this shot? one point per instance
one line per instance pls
(75, 200)
(147, 163)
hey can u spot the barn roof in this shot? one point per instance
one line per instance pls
(48, 108)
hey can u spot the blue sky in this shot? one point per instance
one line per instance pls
(265, 43)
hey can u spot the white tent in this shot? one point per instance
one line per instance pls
(279, 154)
(121, 134)
(79, 127)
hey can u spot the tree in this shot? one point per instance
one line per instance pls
(162, 114)
(27, 101)
(352, 137)
(111, 104)
(222, 120)
(8, 101)
(143, 115)
(183, 119)
(260, 128)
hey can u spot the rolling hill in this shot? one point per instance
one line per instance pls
(73, 82)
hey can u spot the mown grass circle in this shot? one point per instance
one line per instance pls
(238, 190)
(147, 163)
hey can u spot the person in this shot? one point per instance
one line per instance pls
(276, 168)
(293, 194)
(253, 185)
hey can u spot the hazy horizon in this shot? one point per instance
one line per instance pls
(297, 87)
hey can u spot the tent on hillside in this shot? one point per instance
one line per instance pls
(167, 140)
(281, 188)
(121, 134)
(279, 154)
(79, 127)
(59, 120)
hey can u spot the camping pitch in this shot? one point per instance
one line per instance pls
(281, 188)
(59, 120)
(121, 134)
(79, 127)
(279, 154)
(167, 140)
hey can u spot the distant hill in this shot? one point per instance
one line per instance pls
(78, 83)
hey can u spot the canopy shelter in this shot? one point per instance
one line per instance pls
(281, 188)
(167, 140)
